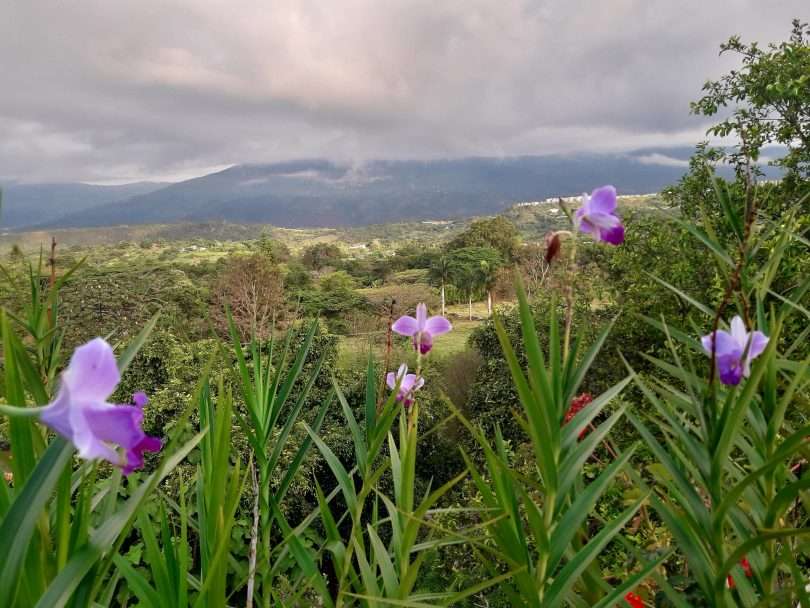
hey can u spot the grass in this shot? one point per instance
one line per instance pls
(353, 348)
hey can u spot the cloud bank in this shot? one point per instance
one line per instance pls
(162, 89)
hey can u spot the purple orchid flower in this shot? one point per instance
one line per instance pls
(81, 413)
(729, 349)
(597, 216)
(408, 384)
(422, 329)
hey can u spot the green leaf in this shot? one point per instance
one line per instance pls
(21, 519)
(138, 584)
(338, 470)
(571, 572)
(101, 541)
(578, 512)
(357, 435)
(631, 582)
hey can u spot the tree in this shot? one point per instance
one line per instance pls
(277, 251)
(335, 296)
(770, 101)
(531, 262)
(497, 232)
(253, 288)
(470, 268)
(321, 255)
(488, 272)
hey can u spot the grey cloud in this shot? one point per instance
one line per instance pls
(98, 90)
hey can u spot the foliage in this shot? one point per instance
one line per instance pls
(727, 487)
(497, 233)
(277, 252)
(335, 296)
(770, 100)
(538, 527)
(321, 255)
(472, 269)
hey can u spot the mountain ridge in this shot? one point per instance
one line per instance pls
(321, 193)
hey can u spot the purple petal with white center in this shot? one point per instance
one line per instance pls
(438, 325)
(93, 373)
(391, 380)
(603, 200)
(406, 326)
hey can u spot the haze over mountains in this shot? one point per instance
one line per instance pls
(319, 193)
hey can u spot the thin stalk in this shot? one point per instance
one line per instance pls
(254, 540)
(569, 294)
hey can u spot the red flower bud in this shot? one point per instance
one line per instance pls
(577, 404)
(634, 600)
(552, 246)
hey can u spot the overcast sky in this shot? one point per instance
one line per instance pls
(124, 90)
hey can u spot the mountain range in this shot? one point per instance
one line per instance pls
(320, 193)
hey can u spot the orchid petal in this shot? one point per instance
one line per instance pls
(731, 372)
(421, 315)
(726, 345)
(585, 225)
(437, 326)
(93, 373)
(738, 331)
(134, 455)
(603, 200)
(406, 326)
(423, 342)
(614, 236)
(120, 424)
(603, 221)
(56, 414)
(758, 343)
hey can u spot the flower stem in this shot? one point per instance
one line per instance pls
(13, 411)
(569, 294)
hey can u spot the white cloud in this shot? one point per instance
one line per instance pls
(662, 159)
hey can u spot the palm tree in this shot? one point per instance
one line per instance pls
(487, 277)
(474, 268)
(440, 270)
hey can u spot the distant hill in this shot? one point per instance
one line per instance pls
(26, 205)
(319, 193)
